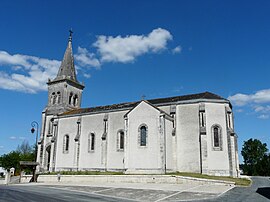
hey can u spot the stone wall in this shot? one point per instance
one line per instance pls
(162, 179)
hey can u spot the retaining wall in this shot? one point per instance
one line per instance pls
(162, 179)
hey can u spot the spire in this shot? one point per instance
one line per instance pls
(70, 35)
(67, 68)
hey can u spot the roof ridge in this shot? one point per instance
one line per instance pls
(204, 95)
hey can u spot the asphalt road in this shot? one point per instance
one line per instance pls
(34, 193)
(259, 191)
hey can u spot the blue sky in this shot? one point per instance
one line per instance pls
(126, 49)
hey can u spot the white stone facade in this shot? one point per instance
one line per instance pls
(193, 133)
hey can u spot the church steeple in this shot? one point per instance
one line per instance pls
(67, 68)
(65, 91)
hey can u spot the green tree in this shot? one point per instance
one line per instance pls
(263, 167)
(254, 153)
(10, 160)
(24, 152)
(27, 153)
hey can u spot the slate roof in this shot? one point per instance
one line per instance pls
(205, 95)
(67, 68)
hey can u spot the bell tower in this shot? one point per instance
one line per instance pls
(65, 91)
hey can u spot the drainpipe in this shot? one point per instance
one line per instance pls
(200, 144)
(164, 132)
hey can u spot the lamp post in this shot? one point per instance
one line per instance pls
(34, 125)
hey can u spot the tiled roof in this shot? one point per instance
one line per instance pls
(205, 95)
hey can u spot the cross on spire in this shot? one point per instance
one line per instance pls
(70, 34)
(143, 97)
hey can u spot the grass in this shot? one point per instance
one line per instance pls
(238, 181)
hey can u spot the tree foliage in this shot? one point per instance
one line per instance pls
(256, 158)
(24, 152)
(10, 160)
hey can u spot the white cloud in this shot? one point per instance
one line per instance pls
(36, 72)
(1, 147)
(22, 138)
(239, 110)
(126, 49)
(239, 99)
(258, 108)
(12, 137)
(87, 75)
(262, 96)
(177, 49)
(263, 116)
(15, 68)
(84, 58)
(257, 101)
(262, 109)
(29, 74)
(14, 60)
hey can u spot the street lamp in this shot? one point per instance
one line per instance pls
(34, 125)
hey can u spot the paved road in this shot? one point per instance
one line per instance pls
(259, 191)
(45, 194)
(101, 191)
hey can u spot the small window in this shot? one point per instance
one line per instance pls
(51, 126)
(70, 98)
(58, 97)
(75, 100)
(143, 135)
(53, 98)
(120, 140)
(229, 119)
(91, 142)
(66, 143)
(217, 137)
(202, 119)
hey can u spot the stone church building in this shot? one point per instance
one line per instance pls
(190, 133)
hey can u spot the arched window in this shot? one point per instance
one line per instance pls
(58, 97)
(143, 135)
(91, 142)
(75, 100)
(120, 140)
(216, 137)
(53, 98)
(66, 144)
(70, 98)
(51, 126)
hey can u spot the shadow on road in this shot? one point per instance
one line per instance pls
(264, 191)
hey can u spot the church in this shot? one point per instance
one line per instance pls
(187, 133)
